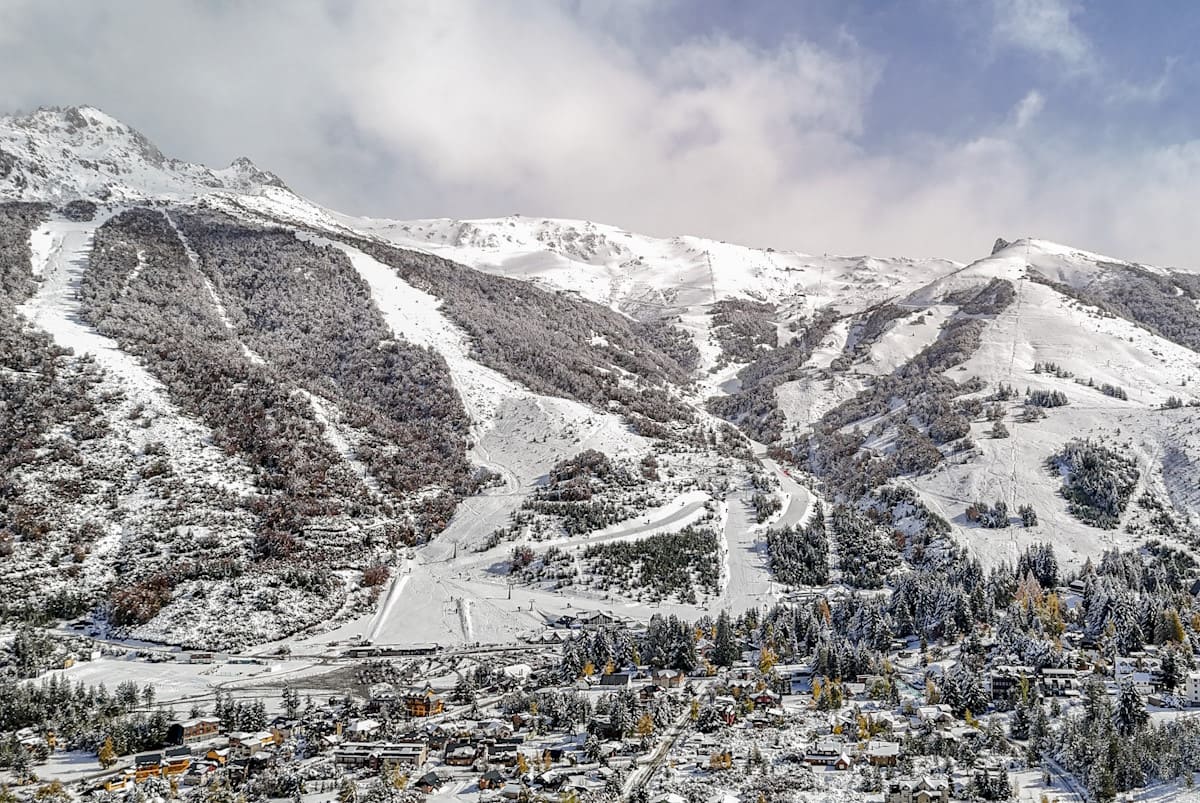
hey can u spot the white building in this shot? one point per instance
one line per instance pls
(1191, 688)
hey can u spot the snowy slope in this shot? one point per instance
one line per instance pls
(654, 277)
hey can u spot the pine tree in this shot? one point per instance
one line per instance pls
(725, 651)
(1172, 672)
(1131, 715)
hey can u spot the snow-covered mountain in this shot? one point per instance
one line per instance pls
(219, 396)
(64, 154)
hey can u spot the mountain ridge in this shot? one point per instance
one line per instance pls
(276, 405)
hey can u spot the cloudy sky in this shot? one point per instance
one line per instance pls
(918, 127)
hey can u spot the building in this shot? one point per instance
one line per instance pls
(463, 753)
(119, 782)
(939, 714)
(798, 678)
(668, 678)
(243, 745)
(1125, 666)
(1004, 682)
(1191, 688)
(176, 762)
(882, 754)
(219, 756)
(381, 754)
(147, 765)
(919, 790)
(829, 753)
(594, 620)
(429, 783)
(362, 730)
(1060, 682)
(425, 703)
(492, 779)
(617, 680)
(193, 730)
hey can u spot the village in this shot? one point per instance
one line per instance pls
(542, 720)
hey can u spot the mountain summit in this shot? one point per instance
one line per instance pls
(58, 154)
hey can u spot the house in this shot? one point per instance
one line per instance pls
(797, 678)
(518, 672)
(919, 790)
(147, 765)
(494, 729)
(1145, 682)
(1059, 682)
(1004, 682)
(429, 783)
(492, 779)
(882, 754)
(362, 730)
(766, 699)
(512, 791)
(118, 783)
(243, 745)
(885, 722)
(616, 680)
(382, 693)
(463, 754)
(193, 730)
(176, 762)
(595, 620)
(424, 703)
(828, 753)
(667, 678)
(549, 636)
(648, 692)
(201, 774)
(219, 756)
(1125, 666)
(504, 751)
(939, 714)
(601, 725)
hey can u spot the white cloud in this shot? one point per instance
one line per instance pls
(1028, 108)
(475, 109)
(1045, 28)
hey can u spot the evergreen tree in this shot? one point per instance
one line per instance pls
(1130, 715)
(725, 651)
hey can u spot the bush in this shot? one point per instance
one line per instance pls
(374, 576)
